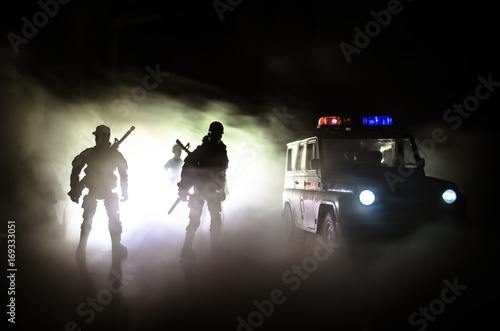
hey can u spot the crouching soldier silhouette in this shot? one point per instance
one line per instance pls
(101, 161)
(204, 169)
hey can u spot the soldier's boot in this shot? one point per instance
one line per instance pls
(187, 251)
(119, 251)
(82, 246)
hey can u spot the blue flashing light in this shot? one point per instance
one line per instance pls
(377, 120)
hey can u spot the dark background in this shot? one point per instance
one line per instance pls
(267, 53)
(427, 58)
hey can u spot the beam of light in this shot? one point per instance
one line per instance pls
(254, 177)
(50, 132)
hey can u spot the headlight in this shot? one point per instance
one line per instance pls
(367, 197)
(449, 196)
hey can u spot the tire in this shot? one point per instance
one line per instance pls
(329, 231)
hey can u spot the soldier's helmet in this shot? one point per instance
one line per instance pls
(102, 132)
(216, 128)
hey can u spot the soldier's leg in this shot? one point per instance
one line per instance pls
(195, 209)
(89, 206)
(115, 226)
(214, 207)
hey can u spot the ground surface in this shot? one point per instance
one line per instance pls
(261, 283)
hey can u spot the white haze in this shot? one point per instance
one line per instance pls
(48, 132)
(43, 133)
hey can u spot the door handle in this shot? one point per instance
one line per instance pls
(296, 183)
(307, 183)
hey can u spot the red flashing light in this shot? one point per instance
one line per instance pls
(334, 120)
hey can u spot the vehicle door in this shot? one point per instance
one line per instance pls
(310, 186)
(299, 184)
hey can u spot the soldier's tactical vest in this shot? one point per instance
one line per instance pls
(99, 173)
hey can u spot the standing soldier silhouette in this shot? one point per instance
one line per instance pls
(174, 165)
(101, 161)
(205, 170)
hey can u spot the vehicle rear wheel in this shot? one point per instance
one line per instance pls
(330, 232)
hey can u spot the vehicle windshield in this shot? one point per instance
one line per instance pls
(348, 153)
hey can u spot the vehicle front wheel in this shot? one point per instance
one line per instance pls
(330, 232)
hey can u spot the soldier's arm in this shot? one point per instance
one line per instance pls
(223, 173)
(222, 176)
(123, 172)
(227, 161)
(188, 172)
(168, 165)
(223, 154)
(77, 165)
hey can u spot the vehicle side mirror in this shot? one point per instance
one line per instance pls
(314, 164)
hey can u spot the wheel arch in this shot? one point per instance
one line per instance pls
(287, 204)
(322, 210)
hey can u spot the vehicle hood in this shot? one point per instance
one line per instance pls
(387, 182)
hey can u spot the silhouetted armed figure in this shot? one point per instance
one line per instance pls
(174, 165)
(204, 169)
(101, 161)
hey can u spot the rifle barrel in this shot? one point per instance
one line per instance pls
(174, 205)
(132, 128)
(186, 149)
(118, 142)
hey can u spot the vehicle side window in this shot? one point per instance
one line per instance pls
(409, 156)
(299, 164)
(289, 160)
(309, 155)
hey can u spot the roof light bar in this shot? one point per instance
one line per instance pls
(334, 120)
(377, 120)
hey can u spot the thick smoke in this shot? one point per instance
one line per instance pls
(45, 132)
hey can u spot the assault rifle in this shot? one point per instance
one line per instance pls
(184, 148)
(82, 183)
(117, 142)
(179, 199)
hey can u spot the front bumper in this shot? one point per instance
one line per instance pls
(397, 215)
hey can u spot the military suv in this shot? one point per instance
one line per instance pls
(358, 178)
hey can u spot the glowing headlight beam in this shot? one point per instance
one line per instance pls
(449, 196)
(367, 197)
